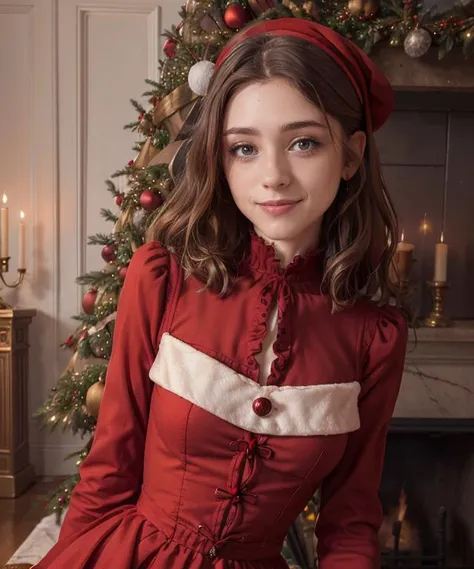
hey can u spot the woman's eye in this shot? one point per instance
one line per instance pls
(305, 145)
(243, 150)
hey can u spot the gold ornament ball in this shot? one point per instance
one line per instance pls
(355, 6)
(94, 397)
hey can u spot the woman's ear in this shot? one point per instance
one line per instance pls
(356, 144)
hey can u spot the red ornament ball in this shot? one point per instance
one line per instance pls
(169, 47)
(119, 200)
(123, 272)
(88, 301)
(108, 253)
(236, 16)
(150, 200)
(131, 163)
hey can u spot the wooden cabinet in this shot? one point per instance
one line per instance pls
(16, 472)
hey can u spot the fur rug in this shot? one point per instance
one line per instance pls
(36, 545)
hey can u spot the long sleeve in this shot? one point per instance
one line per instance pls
(111, 474)
(351, 513)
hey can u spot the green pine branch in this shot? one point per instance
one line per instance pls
(137, 106)
(153, 83)
(97, 279)
(61, 497)
(133, 126)
(122, 172)
(100, 239)
(112, 188)
(108, 215)
(64, 407)
(86, 319)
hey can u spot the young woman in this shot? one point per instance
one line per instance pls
(251, 365)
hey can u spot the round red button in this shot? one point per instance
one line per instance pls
(262, 406)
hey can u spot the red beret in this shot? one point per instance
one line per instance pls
(372, 87)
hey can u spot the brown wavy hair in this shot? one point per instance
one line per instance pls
(200, 222)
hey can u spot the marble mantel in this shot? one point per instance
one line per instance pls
(438, 382)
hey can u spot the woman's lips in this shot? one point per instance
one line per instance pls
(278, 207)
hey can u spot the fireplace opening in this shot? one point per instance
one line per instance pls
(427, 494)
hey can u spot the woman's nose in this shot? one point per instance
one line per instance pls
(275, 172)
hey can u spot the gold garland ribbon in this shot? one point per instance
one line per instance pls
(71, 366)
(147, 152)
(260, 6)
(291, 6)
(102, 324)
(170, 113)
(309, 7)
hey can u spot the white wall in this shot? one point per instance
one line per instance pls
(67, 72)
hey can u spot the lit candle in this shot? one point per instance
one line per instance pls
(425, 225)
(441, 261)
(4, 228)
(404, 258)
(22, 242)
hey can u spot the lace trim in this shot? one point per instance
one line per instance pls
(262, 257)
(258, 329)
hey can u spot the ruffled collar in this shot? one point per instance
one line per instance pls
(262, 258)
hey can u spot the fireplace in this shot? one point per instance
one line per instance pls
(427, 493)
(427, 487)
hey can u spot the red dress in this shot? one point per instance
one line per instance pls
(197, 465)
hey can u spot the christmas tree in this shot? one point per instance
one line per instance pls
(189, 51)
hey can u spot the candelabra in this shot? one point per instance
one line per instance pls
(4, 265)
(437, 319)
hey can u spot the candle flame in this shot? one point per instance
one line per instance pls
(402, 238)
(22, 214)
(441, 239)
(425, 225)
(402, 507)
(4, 198)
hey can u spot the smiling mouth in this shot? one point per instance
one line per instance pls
(278, 207)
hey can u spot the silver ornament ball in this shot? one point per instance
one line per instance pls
(417, 43)
(200, 76)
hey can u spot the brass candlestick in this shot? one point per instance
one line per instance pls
(4, 263)
(437, 319)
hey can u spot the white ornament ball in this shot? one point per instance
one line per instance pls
(417, 43)
(200, 76)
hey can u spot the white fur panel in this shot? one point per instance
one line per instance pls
(328, 409)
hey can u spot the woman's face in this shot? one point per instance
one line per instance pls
(282, 163)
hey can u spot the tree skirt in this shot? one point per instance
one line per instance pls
(36, 545)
